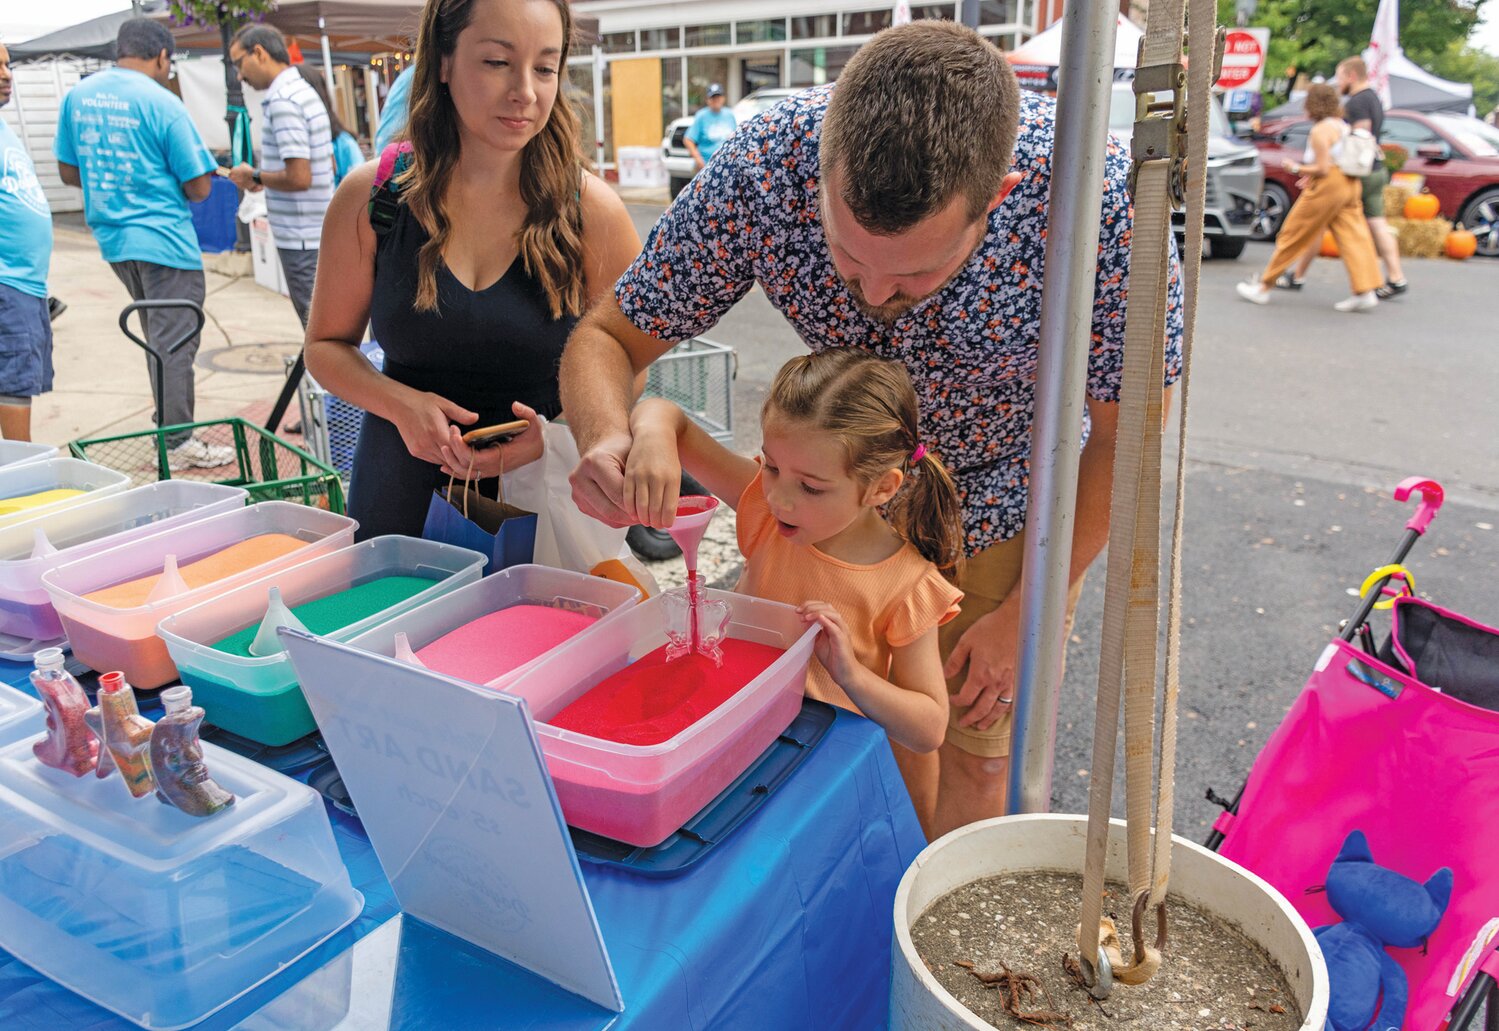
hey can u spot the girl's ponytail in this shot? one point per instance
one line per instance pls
(927, 513)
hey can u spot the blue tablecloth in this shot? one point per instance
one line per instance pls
(784, 926)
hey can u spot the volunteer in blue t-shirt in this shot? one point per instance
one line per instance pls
(26, 229)
(128, 141)
(713, 124)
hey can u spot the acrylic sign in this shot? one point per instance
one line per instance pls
(451, 785)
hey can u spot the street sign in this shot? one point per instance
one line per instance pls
(1239, 101)
(1244, 53)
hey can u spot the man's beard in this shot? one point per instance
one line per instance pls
(890, 311)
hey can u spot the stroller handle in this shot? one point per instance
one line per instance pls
(1431, 500)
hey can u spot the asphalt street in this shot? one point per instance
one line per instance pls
(1302, 421)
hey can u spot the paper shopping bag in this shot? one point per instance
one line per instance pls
(458, 514)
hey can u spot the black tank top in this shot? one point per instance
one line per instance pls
(481, 349)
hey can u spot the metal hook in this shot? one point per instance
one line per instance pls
(1099, 981)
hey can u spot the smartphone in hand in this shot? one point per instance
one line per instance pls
(494, 436)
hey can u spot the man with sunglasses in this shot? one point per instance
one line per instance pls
(128, 142)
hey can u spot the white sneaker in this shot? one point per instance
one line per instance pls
(1358, 302)
(1254, 293)
(197, 454)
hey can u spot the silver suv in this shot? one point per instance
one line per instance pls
(1235, 176)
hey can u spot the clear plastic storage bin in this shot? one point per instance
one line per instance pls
(160, 916)
(259, 698)
(640, 794)
(517, 585)
(108, 638)
(20, 452)
(20, 715)
(26, 613)
(19, 481)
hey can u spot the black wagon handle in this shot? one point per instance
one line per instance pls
(158, 365)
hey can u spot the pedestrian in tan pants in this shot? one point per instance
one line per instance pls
(1329, 200)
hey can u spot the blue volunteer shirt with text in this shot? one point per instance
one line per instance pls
(134, 146)
(25, 220)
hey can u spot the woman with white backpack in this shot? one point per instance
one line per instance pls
(1331, 199)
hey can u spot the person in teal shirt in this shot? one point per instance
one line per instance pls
(26, 232)
(393, 114)
(712, 125)
(128, 141)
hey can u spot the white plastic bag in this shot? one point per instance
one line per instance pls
(252, 206)
(566, 538)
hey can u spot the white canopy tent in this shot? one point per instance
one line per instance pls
(1037, 61)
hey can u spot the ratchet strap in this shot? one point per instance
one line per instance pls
(1169, 170)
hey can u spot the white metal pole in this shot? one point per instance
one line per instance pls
(1085, 79)
(327, 55)
(598, 108)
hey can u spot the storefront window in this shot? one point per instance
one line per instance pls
(815, 26)
(619, 42)
(708, 35)
(944, 11)
(660, 39)
(866, 23)
(817, 65)
(671, 89)
(700, 72)
(768, 31)
(999, 12)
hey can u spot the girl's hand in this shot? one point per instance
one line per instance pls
(653, 471)
(833, 647)
(425, 421)
(466, 463)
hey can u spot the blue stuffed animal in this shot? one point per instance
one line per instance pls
(1379, 908)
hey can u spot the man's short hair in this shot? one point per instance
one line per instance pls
(143, 39)
(922, 113)
(1355, 67)
(267, 38)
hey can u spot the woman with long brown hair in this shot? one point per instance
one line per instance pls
(489, 241)
(1329, 200)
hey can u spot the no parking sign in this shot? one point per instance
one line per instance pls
(1244, 53)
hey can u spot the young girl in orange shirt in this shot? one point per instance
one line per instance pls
(840, 445)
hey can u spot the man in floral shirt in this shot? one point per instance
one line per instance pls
(902, 211)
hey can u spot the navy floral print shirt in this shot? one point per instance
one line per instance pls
(971, 348)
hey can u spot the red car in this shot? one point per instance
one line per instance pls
(1458, 155)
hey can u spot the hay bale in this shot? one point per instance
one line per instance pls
(1394, 201)
(1426, 238)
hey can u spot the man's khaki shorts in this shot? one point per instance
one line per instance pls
(986, 580)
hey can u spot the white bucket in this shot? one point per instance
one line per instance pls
(1011, 844)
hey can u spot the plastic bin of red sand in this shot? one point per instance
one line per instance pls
(489, 632)
(641, 792)
(110, 603)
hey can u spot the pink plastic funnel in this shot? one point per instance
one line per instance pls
(694, 513)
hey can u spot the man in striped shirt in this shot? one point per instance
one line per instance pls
(296, 155)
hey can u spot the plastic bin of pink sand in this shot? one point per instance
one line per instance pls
(110, 638)
(640, 794)
(491, 632)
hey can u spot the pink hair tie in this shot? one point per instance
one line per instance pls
(918, 454)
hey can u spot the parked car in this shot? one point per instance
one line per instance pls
(1235, 176)
(679, 164)
(1457, 155)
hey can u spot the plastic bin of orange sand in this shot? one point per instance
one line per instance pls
(490, 632)
(37, 488)
(111, 603)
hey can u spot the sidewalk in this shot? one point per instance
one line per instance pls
(102, 383)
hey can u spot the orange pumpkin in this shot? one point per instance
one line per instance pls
(1329, 245)
(1420, 207)
(1461, 244)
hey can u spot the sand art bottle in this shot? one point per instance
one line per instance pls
(126, 737)
(182, 778)
(70, 745)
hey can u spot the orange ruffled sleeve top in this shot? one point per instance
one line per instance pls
(886, 605)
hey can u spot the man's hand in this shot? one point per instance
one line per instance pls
(989, 647)
(243, 176)
(599, 481)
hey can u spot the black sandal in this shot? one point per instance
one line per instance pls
(1285, 282)
(1388, 290)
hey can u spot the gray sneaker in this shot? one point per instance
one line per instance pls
(197, 454)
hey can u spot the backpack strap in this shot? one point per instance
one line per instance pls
(385, 193)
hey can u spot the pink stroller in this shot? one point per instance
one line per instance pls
(1401, 743)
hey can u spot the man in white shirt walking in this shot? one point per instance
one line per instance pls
(296, 155)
